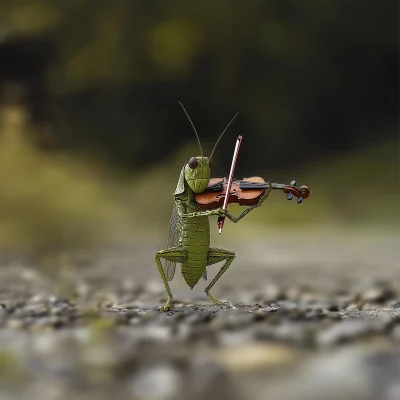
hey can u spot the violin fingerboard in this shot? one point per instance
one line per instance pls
(216, 187)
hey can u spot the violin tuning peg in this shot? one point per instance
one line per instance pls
(289, 196)
(299, 200)
(293, 183)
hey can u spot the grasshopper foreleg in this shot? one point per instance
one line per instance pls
(248, 209)
(208, 213)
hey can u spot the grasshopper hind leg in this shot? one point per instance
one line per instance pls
(174, 254)
(215, 256)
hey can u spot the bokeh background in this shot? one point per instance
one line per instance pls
(92, 141)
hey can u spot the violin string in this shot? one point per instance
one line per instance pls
(218, 186)
(222, 135)
(201, 150)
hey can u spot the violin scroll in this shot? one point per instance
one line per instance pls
(305, 191)
(301, 194)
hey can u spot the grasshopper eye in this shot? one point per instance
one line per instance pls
(210, 163)
(193, 163)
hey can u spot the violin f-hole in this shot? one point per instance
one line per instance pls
(224, 194)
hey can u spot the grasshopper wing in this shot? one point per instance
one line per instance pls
(173, 241)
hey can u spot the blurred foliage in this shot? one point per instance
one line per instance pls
(95, 82)
(48, 201)
(308, 77)
(53, 202)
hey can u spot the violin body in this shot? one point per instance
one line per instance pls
(211, 199)
(245, 192)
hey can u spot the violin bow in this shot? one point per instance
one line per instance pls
(221, 219)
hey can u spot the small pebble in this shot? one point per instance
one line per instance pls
(348, 330)
(159, 382)
(395, 304)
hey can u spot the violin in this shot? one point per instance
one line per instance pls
(245, 192)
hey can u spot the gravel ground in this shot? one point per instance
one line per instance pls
(318, 330)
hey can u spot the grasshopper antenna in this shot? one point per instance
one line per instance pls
(201, 150)
(222, 135)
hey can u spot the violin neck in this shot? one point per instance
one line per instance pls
(217, 187)
(261, 185)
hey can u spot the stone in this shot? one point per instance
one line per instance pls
(157, 382)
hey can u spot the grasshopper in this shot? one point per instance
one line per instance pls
(189, 230)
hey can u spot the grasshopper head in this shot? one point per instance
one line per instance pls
(197, 173)
(197, 170)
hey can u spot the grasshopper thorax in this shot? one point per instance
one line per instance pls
(197, 173)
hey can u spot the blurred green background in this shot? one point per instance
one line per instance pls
(92, 138)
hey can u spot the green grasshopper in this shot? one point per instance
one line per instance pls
(189, 230)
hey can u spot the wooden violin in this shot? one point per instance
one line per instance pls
(245, 192)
